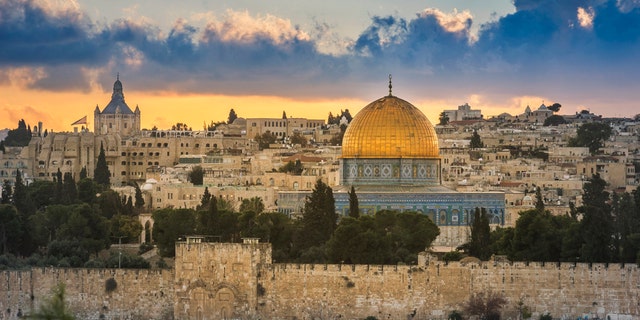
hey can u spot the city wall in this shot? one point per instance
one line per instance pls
(239, 280)
(224, 280)
(434, 290)
(138, 294)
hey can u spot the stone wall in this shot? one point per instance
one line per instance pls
(138, 294)
(436, 289)
(253, 287)
(231, 280)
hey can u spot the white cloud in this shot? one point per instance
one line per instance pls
(453, 22)
(240, 26)
(585, 17)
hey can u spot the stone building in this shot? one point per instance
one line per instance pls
(464, 112)
(281, 128)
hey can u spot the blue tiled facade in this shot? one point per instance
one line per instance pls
(444, 208)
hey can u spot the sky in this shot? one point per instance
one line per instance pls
(192, 61)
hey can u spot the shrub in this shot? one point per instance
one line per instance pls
(110, 285)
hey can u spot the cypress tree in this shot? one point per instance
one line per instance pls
(476, 142)
(354, 208)
(539, 201)
(101, 174)
(139, 204)
(597, 225)
(479, 246)
(206, 198)
(319, 218)
(83, 173)
(7, 192)
(70, 191)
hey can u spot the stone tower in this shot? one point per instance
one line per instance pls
(117, 117)
(218, 280)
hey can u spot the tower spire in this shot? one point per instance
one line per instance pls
(390, 86)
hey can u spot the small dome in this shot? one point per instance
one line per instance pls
(390, 128)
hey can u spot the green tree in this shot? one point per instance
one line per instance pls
(294, 168)
(208, 218)
(87, 190)
(110, 203)
(555, 107)
(539, 236)
(232, 116)
(83, 173)
(591, 135)
(265, 139)
(42, 193)
(332, 120)
(319, 218)
(354, 207)
(70, 191)
(101, 174)
(554, 120)
(7, 192)
(125, 227)
(169, 225)
(298, 138)
(443, 119)
(356, 241)
(479, 243)
(196, 175)
(346, 114)
(254, 205)
(10, 229)
(54, 308)
(276, 228)
(596, 222)
(476, 141)
(502, 241)
(70, 231)
(284, 115)
(539, 200)
(139, 199)
(18, 137)
(205, 199)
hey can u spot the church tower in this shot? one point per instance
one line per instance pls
(117, 117)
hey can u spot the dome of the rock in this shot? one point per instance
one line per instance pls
(390, 128)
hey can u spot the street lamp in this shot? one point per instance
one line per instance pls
(120, 250)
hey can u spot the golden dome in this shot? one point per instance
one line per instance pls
(390, 128)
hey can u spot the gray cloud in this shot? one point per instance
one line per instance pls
(540, 49)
